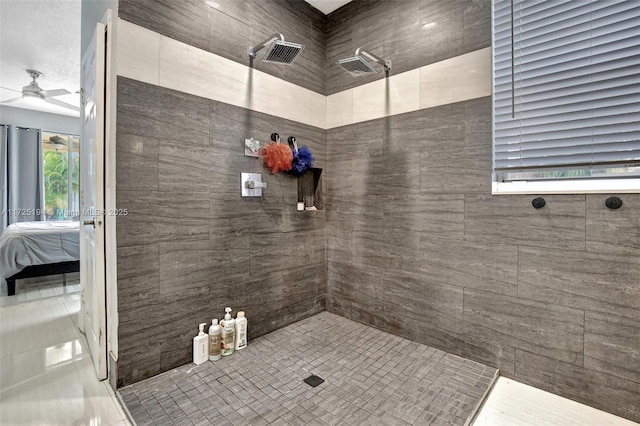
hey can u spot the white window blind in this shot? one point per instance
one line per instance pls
(566, 88)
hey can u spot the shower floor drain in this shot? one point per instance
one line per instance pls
(314, 380)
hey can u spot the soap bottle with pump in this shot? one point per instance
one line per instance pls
(241, 331)
(215, 347)
(228, 326)
(200, 346)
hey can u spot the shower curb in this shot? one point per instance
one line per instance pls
(128, 413)
(481, 401)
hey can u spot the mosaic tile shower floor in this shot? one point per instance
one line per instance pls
(371, 378)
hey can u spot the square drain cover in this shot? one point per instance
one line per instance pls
(314, 380)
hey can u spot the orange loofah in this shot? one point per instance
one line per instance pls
(277, 157)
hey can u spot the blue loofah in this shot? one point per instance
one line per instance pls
(302, 161)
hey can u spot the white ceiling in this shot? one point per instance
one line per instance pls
(326, 6)
(43, 35)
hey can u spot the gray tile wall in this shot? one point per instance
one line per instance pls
(409, 33)
(414, 246)
(191, 245)
(418, 246)
(229, 27)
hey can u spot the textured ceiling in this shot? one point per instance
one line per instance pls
(43, 35)
(326, 6)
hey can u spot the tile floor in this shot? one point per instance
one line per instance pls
(46, 374)
(371, 377)
(46, 377)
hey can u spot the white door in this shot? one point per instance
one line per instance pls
(92, 255)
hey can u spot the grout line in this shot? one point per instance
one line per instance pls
(518, 270)
(585, 221)
(464, 217)
(584, 331)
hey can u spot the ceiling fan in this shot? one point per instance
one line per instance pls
(56, 142)
(33, 91)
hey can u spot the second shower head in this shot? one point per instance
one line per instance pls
(278, 50)
(358, 64)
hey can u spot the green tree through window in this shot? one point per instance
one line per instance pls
(56, 184)
(56, 178)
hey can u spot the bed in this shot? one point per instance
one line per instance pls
(35, 249)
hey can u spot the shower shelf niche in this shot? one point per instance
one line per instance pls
(310, 188)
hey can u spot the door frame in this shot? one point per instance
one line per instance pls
(111, 259)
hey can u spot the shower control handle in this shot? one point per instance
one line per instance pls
(252, 184)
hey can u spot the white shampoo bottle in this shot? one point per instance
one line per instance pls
(241, 331)
(215, 347)
(200, 346)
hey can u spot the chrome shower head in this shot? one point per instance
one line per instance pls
(279, 51)
(282, 52)
(358, 65)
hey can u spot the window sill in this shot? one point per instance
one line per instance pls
(584, 186)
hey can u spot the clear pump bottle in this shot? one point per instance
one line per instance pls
(215, 344)
(228, 325)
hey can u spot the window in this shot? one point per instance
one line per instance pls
(61, 174)
(566, 103)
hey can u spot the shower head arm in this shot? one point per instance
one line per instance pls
(263, 44)
(385, 64)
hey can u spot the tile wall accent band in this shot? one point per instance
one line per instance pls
(457, 79)
(156, 59)
(149, 57)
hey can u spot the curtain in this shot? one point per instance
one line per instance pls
(4, 194)
(21, 173)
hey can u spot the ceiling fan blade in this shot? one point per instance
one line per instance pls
(62, 104)
(57, 92)
(10, 101)
(13, 90)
